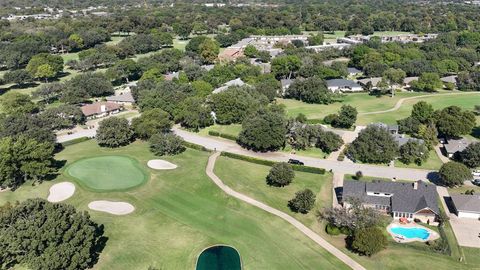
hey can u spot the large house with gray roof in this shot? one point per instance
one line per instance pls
(466, 206)
(412, 201)
(342, 85)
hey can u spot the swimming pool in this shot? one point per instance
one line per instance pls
(411, 233)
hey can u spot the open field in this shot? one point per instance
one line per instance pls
(180, 212)
(367, 103)
(249, 179)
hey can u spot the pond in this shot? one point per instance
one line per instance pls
(219, 258)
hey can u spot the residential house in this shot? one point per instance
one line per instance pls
(392, 129)
(343, 85)
(466, 206)
(401, 139)
(124, 98)
(353, 71)
(100, 109)
(225, 86)
(408, 80)
(452, 146)
(412, 201)
(372, 82)
(450, 79)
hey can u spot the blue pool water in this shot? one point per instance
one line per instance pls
(411, 232)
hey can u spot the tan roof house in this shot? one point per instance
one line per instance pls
(100, 109)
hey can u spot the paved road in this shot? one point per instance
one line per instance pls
(344, 167)
(400, 102)
(297, 224)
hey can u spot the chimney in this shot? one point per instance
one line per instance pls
(103, 108)
(415, 185)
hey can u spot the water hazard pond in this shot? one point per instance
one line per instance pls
(219, 258)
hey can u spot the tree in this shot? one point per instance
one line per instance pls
(280, 175)
(61, 117)
(453, 122)
(346, 117)
(374, 144)
(114, 132)
(310, 90)
(368, 241)
(454, 174)
(192, 113)
(75, 41)
(86, 85)
(19, 77)
(24, 159)
(54, 61)
(428, 82)
(414, 151)
(126, 69)
(202, 88)
(233, 105)
(153, 74)
(17, 103)
(286, 66)
(329, 142)
(52, 229)
(194, 44)
(250, 51)
(267, 85)
(393, 77)
(209, 50)
(48, 92)
(471, 155)
(45, 71)
(151, 122)
(423, 112)
(314, 40)
(166, 144)
(182, 29)
(303, 201)
(263, 56)
(264, 131)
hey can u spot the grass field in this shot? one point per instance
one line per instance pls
(178, 214)
(367, 103)
(107, 173)
(233, 129)
(249, 178)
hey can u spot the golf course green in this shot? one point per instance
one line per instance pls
(107, 173)
(219, 258)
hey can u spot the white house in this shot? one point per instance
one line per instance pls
(342, 85)
(466, 206)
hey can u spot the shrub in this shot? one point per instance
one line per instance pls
(369, 240)
(330, 118)
(358, 175)
(114, 132)
(166, 144)
(75, 141)
(332, 229)
(303, 201)
(280, 175)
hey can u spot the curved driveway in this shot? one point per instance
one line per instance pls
(344, 167)
(297, 224)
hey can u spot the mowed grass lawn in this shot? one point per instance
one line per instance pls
(178, 214)
(433, 163)
(367, 103)
(250, 179)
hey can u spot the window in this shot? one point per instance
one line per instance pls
(376, 193)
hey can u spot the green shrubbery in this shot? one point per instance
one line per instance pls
(222, 135)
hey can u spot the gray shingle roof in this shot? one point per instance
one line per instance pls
(456, 145)
(466, 203)
(404, 197)
(236, 82)
(342, 83)
(125, 97)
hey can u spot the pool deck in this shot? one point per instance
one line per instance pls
(400, 239)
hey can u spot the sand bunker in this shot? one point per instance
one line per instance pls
(61, 191)
(114, 208)
(158, 164)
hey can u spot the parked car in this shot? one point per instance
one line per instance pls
(295, 162)
(476, 181)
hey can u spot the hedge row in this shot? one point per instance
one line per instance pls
(75, 141)
(222, 135)
(195, 146)
(299, 168)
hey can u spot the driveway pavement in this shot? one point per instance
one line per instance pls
(466, 230)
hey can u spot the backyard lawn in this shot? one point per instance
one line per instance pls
(249, 178)
(180, 212)
(433, 163)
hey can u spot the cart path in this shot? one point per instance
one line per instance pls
(400, 102)
(297, 224)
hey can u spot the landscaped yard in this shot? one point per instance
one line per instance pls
(249, 179)
(433, 163)
(232, 130)
(180, 212)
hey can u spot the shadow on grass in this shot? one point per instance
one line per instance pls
(476, 132)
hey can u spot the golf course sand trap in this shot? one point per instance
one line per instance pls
(61, 191)
(114, 208)
(158, 164)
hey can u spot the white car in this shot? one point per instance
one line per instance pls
(476, 173)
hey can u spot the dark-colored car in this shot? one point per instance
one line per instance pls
(295, 162)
